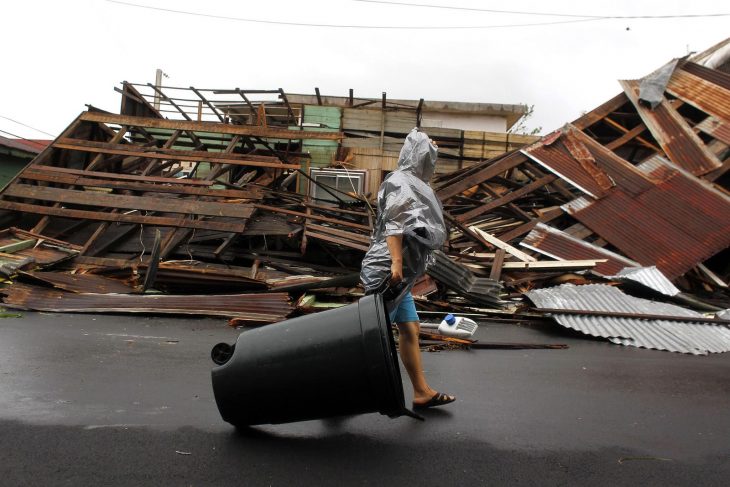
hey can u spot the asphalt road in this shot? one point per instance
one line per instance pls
(119, 400)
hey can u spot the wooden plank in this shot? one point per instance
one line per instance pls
(126, 177)
(73, 180)
(163, 153)
(508, 198)
(358, 237)
(462, 184)
(503, 245)
(249, 130)
(604, 110)
(100, 157)
(527, 227)
(94, 198)
(496, 271)
(627, 136)
(121, 217)
(554, 264)
(285, 211)
(337, 240)
(641, 127)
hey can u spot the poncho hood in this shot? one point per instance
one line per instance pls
(418, 156)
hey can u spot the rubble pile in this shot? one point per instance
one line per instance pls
(135, 212)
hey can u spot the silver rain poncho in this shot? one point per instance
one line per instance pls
(407, 206)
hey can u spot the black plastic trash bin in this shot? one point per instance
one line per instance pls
(333, 363)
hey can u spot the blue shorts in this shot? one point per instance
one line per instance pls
(406, 310)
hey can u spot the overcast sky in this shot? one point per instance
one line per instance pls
(60, 55)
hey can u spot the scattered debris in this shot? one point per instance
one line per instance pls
(256, 204)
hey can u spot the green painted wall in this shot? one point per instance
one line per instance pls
(9, 167)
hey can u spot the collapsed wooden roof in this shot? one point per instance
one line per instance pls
(625, 182)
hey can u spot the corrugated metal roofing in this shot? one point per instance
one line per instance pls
(557, 159)
(675, 136)
(31, 146)
(678, 223)
(717, 77)
(707, 96)
(685, 337)
(562, 246)
(480, 290)
(650, 277)
(256, 308)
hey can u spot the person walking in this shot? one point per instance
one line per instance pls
(409, 226)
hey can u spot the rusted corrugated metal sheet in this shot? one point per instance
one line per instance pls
(703, 94)
(712, 75)
(26, 145)
(676, 336)
(557, 158)
(255, 308)
(716, 128)
(562, 246)
(600, 170)
(677, 224)
(673, 133)
(80, 283)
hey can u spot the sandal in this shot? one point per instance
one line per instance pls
(438, 399)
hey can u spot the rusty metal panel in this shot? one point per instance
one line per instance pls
(673, 133)
(702, 94)
(555, 157)
(712, 75)
(621, 172)
(716, 128)
(80, 283)
(562, 246)
(676, 225)
(255, 308)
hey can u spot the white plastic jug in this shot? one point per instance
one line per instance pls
(457, 326)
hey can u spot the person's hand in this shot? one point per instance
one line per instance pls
(396, 273)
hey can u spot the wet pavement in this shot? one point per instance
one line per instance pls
(120, 400)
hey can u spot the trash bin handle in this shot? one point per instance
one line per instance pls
(384, 286)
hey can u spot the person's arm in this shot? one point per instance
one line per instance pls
(395, 247)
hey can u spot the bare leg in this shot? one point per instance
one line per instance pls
(410, 354)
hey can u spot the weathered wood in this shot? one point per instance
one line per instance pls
(507, 198)
(250, 130)
(630, 134)
(121, 217)
(74, 180)
(496, 270)
(461, 185)
(602, 111)
(337, 240)
(178, 155)
(527, 227)
(127, 177)
(93, 198)
(503, 245)
(358, 237)
(285, 211)
(627, 136)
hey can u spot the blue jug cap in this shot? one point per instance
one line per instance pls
(450, 319)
